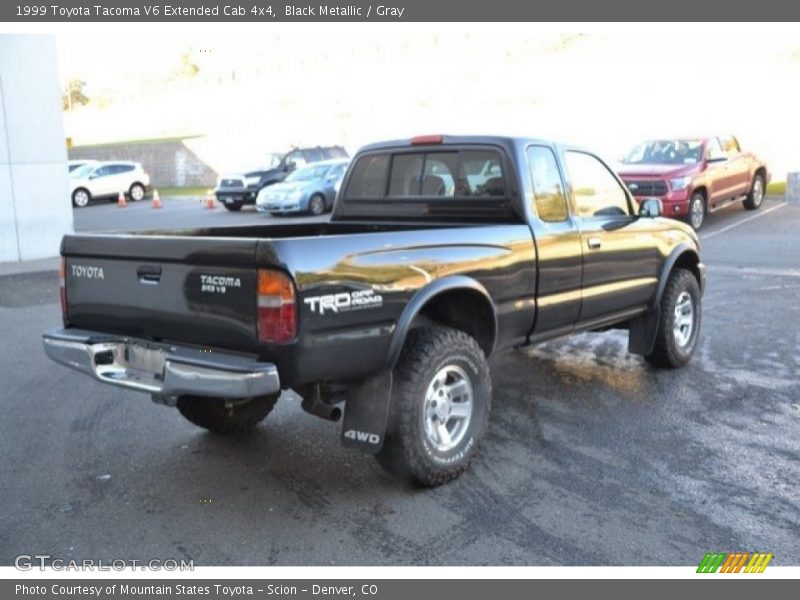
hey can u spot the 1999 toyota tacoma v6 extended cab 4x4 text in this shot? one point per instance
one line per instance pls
(441, 251)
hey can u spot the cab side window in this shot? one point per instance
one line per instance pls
(714, 150)
(596, 191)
(548, 192)
(729, 145)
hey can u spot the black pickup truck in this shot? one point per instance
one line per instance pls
(441, 251)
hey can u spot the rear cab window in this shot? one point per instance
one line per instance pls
(426, 181)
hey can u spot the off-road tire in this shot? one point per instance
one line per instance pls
(667, 352)
(407, 452)
(221, 415)
(755, 197)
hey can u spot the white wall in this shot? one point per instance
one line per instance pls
(34, 197)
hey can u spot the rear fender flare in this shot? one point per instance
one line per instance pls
(425, 295)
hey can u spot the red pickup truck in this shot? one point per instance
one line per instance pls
(695, 176)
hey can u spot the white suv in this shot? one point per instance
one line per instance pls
(107, 180)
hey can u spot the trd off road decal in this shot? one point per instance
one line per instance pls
(344, 301)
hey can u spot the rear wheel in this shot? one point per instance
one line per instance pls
(756, 195)
(697, 210)
(136, 192)
(80, 198)
(440, 406)
(679, 325)
(225, 415)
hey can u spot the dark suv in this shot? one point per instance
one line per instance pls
(236, 190)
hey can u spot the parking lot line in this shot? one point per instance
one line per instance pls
(712, 234)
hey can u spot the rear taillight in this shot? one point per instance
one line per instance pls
(277, 310)
(62, 286)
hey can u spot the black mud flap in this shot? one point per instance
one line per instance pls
(642, 332)
(366, 413)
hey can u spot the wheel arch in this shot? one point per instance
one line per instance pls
(459, 302)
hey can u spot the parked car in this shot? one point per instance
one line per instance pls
(310, 189)
(74, 164)
(388, 312)
(236, 190)
(695, 176)
(106, 180)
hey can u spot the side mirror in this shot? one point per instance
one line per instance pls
(651, 207)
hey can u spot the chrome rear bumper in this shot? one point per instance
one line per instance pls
(161, 369)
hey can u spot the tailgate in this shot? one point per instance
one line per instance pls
(183, 289)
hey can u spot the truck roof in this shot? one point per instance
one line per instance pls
(507, 142)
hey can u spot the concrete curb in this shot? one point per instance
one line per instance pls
(29, 266)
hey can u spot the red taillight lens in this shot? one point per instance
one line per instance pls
(62, 285)
(277, 310)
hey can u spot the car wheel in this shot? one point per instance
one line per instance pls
(679, 324)
(136, 192)
(697, 210)
(756, 195)
(233, 207)
(224, 415)
(316, 205)
(440, 406)
(80, 198)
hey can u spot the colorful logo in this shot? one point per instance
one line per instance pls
(734, 562)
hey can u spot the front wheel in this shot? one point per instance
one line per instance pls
(756, 195)
(440, 406)
(225, 415)
(80, 198)
(679, 324)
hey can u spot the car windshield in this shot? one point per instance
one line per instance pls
(311, 173)
(82, 171)
(666, 152)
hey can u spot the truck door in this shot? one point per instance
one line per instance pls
(620, 258)
(558, 247)
(720, 185)
(738, 165)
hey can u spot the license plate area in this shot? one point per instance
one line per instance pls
(149, 359)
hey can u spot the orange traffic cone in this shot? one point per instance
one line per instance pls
(156, 200)
(121, 200)
(210, 201)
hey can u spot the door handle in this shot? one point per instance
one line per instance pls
(149, 274)
(594, 243)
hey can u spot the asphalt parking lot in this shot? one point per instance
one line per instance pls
(592, 457)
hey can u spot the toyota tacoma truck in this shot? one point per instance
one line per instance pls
(695, 176)
(441, 251)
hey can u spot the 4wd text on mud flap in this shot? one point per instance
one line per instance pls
(362, 436)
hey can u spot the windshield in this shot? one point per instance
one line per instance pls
(309, 173)
(666, 152)
(82, 171)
